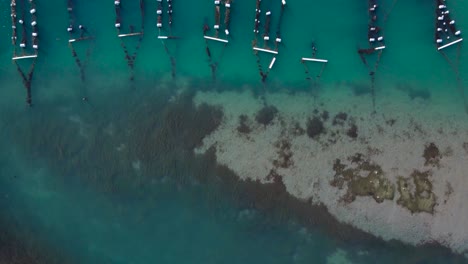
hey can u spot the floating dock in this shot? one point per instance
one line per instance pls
(19, 24)
(375, 37)
(374, 32)
(272, 63)
(27, 51)
(449, 44)
(314, 60)
(227, 16)
(130, 34)
(164, 24)
(216, 39)
(266, 36)
(446, 33)
(376, 44)
(221, 27)
(266, 50)
(79, 39)
(218, 26)
(24, 57)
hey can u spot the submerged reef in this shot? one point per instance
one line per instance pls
(23, 245)
(104, 148)
(115, 151)
(320, 126)
(315, 127)
(266, 115)
(382, 172)
(340, 118)
(368, 179)
(432, 155)
(416, 192)
(373, 183)
(134, 142)
(244, 127)
(285, 154)
(352, 131)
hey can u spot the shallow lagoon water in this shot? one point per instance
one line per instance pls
(192, 222)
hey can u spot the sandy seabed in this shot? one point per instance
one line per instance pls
(399, 172)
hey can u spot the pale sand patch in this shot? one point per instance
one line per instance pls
(339, 257)
(395, 146)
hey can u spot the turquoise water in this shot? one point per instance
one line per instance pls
(59, 204)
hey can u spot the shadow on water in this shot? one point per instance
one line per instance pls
(414, 93)
(119, 183)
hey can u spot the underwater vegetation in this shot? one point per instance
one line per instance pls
(117, 152)
(266, 115)
(416, 192)
(321, 124)
(20, 244)
(15, 249)
(243, 125)
(373, 184)
(368, 179)
(315, 127)
(98, 148)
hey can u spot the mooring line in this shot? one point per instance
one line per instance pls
(390, 10)
(309, 77)
(171, 58)
(130, 57)
(212, 62)
(81, 63)
(26, 77)
(27, 80)
(455, 68)
(445, 29)
(266, 38)
(160, 25)
(373, 38)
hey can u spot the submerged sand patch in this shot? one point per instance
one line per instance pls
(394, 165)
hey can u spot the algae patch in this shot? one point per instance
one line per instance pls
(266, 115)
(416, 192)
(365, 179)
(244, 127)
(432, 155)
(285, 154)
(315, 127)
